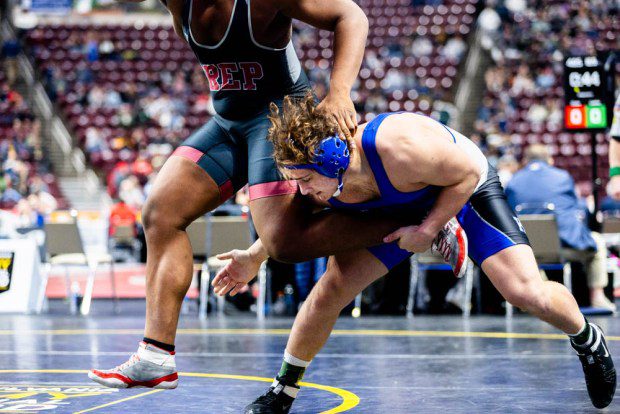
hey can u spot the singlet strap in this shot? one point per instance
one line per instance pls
(237, 25)
(372, 155)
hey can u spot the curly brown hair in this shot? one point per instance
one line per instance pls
(297, 130)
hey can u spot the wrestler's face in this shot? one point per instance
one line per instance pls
(313, 184)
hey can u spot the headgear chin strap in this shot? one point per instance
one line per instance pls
(331, 159)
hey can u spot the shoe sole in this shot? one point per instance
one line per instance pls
(463, 247)
(113, 382)
(606, 403)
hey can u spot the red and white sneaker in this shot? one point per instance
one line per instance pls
(451, 244)
(150, 367)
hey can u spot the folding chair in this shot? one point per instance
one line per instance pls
(611, 225)
(125, 236)
(423, 262)
(611, 230)
(225, 233)
(64, 247)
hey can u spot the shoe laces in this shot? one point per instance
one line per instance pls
(443, 246)
(132, 360)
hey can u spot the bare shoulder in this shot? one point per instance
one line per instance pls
(408, 145)
(399, 134)
(398, 151)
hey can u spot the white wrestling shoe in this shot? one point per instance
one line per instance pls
(150, 367)
(451, 244)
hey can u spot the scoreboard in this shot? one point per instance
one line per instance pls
(588, 92)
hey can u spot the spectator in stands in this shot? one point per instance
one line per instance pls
(507, 166)
(537, 185)
(83, 74)
(91, 47)
(42, 204)
(17, 169)
(141, 168)
(96, 97)
(523, 82)
(27, 216)
(111, 99)
(393, 80)
(23, 20)
(455, 47)
(125, 116)
(421, 46)
(610, 206)
(121, 214)
(489, 22)
(131, 192)
(106, 48)
(537, 113)
(74, 43)
(95, 144)
(10, 51)
(372, 61)
(545, 78)
(10, 196)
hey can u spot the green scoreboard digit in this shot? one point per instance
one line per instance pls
(588, 92)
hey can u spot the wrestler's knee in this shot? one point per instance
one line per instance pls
(529, 296)
(159, 215)
(332, 295)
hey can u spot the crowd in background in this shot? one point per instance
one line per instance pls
(523, 87)
(25, 175)
(143, 118)
(129, 128)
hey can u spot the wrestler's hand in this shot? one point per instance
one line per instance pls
(236, 274)
(614, 187)
(340, 106)
(414, 239)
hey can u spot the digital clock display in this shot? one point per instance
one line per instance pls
(587, 94)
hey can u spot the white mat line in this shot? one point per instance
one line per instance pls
(320, 356)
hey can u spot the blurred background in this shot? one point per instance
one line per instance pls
(95, 95)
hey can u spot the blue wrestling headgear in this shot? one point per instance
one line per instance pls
(331, 159)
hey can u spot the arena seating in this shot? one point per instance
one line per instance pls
(142, 53)
(19, 133)
(519, 81)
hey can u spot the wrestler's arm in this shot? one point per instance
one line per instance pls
(243, 265)
(419, 153)
(350, 27)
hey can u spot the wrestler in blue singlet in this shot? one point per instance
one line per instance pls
(489, 223)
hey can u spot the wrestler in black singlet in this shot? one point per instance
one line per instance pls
(244, 77)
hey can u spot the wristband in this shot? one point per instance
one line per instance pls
(613, 171)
